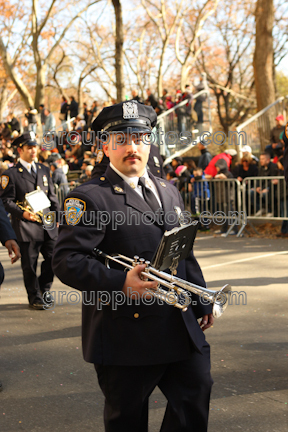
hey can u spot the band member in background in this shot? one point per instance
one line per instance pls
(134, 346)
(32, 238)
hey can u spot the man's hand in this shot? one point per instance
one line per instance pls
(32, 217)
(275, 181)
(239, 179)
(207, 321)
(258, 189)
(134, 282)
(13, 247)
(264, 191)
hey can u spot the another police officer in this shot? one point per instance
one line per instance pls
(134, 346)
(25, 177)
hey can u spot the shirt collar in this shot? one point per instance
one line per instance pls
(131, 181)
(28, 165)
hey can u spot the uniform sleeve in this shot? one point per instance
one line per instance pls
(73, 261)
(6, 230)
(8, 195)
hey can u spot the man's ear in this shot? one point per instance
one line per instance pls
(19, 150)
(105, 149)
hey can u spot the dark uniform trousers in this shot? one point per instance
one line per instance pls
(135, 347)
(29, 257)
(186, 385)
(31, 236)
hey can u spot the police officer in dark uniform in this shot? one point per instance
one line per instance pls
(134, 346)
(25, 177)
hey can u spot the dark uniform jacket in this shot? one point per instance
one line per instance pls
(15, 183)
(130, 334)
(6, 233)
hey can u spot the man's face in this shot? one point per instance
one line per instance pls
(129, 157)
(28, 153)
(264, 160)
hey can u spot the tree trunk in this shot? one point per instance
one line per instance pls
(263, 62)
(40, 86)
(20, 86)
(119, 58)
(3, 99)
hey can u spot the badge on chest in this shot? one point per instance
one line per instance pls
(45, 180)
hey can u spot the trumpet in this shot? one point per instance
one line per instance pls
(26, 207)
(175, 287)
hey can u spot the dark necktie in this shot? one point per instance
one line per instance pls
(148, 195)
(33, 172)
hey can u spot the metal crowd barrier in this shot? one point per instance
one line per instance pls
(270, 204)
(218, 200)
(62, 190)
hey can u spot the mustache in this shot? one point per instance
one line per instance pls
(131, 155)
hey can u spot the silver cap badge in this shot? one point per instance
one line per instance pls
(130, 110)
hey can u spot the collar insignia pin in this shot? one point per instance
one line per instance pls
(118, 189)
(163, 184)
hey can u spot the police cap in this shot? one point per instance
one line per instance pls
(129, 114)
(28, 138)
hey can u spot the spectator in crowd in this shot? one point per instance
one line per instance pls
(205, 157)
(246, 168)
(63, 112)
(136, 97)
(88, 172)
(188, 95)
(177, 161)
(198, 107)
(151, 100)
(227, 155)
(73, 107)
(80, 122)
(50, 123)
(32, 119)
(85, 112)
(190, 164)
(14, 123)
(180, 112)
(94, 109)
(200, 194)
(58, 176)
(275, 136)
(247, 151)
(42, 117)
(172, 177)
(224, 194)
(164, 97)
(183, 175)
(263, 187)
(283, 199)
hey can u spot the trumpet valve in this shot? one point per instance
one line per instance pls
(136, 259)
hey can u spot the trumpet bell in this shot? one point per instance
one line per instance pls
(221, 300)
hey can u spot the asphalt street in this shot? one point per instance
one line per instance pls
(48, 387)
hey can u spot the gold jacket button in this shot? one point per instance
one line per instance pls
(136, 315)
